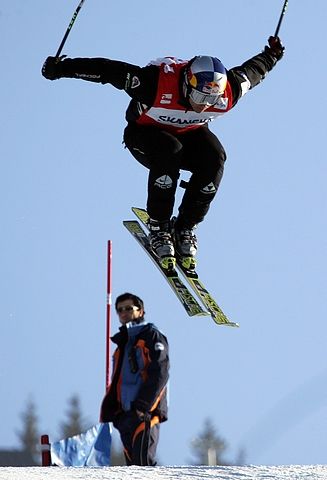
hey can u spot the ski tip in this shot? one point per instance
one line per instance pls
(225, 323)
(138, 209)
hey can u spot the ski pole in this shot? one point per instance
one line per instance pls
(69, 28)
(108, 319)
(281, 18)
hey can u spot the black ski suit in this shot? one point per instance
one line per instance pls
(165, 152)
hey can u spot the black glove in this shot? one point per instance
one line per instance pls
(275, 48)
(143, 416)
(52, 68)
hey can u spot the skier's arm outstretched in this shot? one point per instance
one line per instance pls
(246, 76)
(139, 83)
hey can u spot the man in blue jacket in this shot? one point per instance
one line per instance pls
(136, 401)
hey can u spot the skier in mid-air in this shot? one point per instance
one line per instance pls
(167, 131)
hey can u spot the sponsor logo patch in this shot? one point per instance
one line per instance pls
(159, 346)
(135, 82)
(164, 182)
(166, 98)
(181, 121)
(209, 188)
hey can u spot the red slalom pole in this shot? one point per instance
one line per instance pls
(108, 322)
(45, 451)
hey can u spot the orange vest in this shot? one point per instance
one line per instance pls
(167, 113)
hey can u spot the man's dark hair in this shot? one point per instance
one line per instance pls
(130, 296)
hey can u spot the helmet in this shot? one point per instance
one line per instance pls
(205, 80)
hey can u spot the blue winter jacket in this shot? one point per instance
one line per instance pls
(140, 373)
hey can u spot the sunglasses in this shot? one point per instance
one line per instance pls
(129, 308)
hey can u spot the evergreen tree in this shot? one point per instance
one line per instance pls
(241, 457)
(75, 423)
(29, 436)
(208, 447)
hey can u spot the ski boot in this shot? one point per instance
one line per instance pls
(161, 243)
(186, 244)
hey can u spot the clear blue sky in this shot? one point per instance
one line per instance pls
(67, 184)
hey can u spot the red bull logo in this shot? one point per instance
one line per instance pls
(211, 84)
(211, 87)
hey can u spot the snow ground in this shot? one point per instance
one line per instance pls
(301, 472)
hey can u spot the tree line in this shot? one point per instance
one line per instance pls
(208, 447)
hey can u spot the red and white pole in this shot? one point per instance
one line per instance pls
(108, 356)
(45, 451)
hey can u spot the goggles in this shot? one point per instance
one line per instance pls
(203, 98)
(129, 308)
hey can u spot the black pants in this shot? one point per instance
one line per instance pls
(165, 154)
(139, 437)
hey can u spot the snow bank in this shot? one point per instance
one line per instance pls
(301, 472)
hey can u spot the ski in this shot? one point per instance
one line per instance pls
(188, 301)
(194, 281)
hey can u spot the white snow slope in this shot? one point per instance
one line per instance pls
(293, 472)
